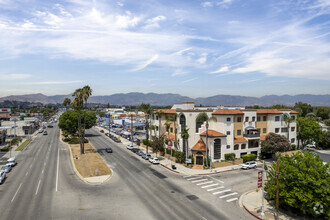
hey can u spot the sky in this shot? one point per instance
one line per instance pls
(189, 47)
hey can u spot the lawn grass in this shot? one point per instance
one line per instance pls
(21, 147)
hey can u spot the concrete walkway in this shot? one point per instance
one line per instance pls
(252, 202)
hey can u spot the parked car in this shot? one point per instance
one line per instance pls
(134, 150)
(50, 126)
(147, 156)
(11, 161)
(108, 150)
(5, 168)
(129, 147)
(312, 145)
(45, 133)
(102, 131)
(139, 152)
(249, 165)
(2, 177)
(40, 130)
(155, 160)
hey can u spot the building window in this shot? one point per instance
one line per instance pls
(253, 118)
(182, 120)
(171, 129)
(246, 119)
(258, 118)
(264, 130)
(254, 152)
(264, 118)
(228, 119)
(239, 132)
(293, 128)
(236, 147)
(292, 140)
(217, 149)
(258, 129)
(293, 117)
(228, 146)
(243, 153)
(228, 132)
(156, 128)
(284, 129)
(198, 125)
(277, 130)
(243, 146)
(277, 118)
(156, 117)
(239, 119)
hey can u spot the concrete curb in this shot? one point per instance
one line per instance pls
(170, 169)
(242, 205)
(77, 172)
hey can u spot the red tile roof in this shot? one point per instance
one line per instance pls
(268, 111)
(263, 137)
(240, 140)
(199, 146)
(213, 133)
(171, 136)
(294, 112)
(228, 112)
(166, 111)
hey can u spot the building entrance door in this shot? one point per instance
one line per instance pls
(199, 160)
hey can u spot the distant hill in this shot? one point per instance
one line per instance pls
(136, 98)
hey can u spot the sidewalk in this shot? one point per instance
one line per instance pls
(252, 201)
(180, 168)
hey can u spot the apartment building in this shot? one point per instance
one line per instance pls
(231, 130)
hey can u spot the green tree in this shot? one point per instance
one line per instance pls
(323, 112)
(147, 112)
(304, 182)
(274, 143)
(288, 120)
(86, 92)
(68, 121)
(185, 137)
(308, 130)
(159, 114)
(303, 108)
(101, 114)
(203, 117)
(158, 144)
(66, 102)
(327, 122)
(77, 105)
(324, 140)
(172, 118)
(279, 106)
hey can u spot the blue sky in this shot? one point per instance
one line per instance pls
(194, 48)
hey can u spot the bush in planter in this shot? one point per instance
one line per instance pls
(5, 149)
(248, 157)
(192, 159)
(230, 156)
(75, 140)
(293, 147)
(180, 156)
(209, 161)
(66, 139)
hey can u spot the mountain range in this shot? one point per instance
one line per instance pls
(156, 99)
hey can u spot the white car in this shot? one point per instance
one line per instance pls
(2, 177)
(249, 165)
(312, 145)
(154, 160)
(130, 147)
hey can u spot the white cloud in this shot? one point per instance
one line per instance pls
(14, 76)
(221, 70)
(120, 3)
(179, 73)
(53, 82)
(224, 3)
(189, 80)
(202, 59)
(147, 63)
(207, 4)
(154, 22)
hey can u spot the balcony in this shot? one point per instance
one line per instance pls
(251, 133)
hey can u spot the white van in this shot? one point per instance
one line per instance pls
(11, 161)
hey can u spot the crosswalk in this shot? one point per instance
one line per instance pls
(213, 187)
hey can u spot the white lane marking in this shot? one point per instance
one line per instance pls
(226, 190)
(204, 183)
(196, 181)
(16, 192)
(44, 163)
(210, 185)
(43, 170)
(38, 187)
(58, 157)
(230, 200)
(216, 179)
(27, 173)
(195, 178)
(215, 188)
(231, 194)
(186, 176)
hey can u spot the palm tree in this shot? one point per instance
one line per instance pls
(172, 118)
(153, 128)
(77, 104)
(86, 92)
(66, 102)
(185, 136)
(203, 117)
(288, 120)
(147, 112)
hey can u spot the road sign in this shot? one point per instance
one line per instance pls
(259, 179)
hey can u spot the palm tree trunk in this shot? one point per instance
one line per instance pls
(79, 133)
(206, 145)
(83, 142)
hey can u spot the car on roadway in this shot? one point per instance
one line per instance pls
(139, 152)
(45, 133)
(108, 150)
(40, 130)
(2, 177)
(5, 168)
(146, 156)
(11, 161)
(134, 150)
(129, 147)
(50, 126)
(249, 165)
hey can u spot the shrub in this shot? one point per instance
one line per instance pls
(75, 140)
(180, 156)
(230, 156)
(248, 157)
(66, 139)
(149, 143)
(293, 147)
(15, 141)
(209, 162)
(169, 152)
(192, 159)
(5, 149)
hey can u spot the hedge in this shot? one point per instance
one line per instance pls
(230, 156)
(248, 157)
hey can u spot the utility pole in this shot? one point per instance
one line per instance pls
(263, 191)
(109, 123)
(132, 128)
(277, 194)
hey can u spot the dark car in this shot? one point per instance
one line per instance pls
(102, 131)
(50, 126)
(108, 150)
(45, 133)
(134, 150)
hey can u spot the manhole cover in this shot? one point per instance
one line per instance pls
(192, 197)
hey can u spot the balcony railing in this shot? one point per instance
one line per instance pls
(257, 135)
